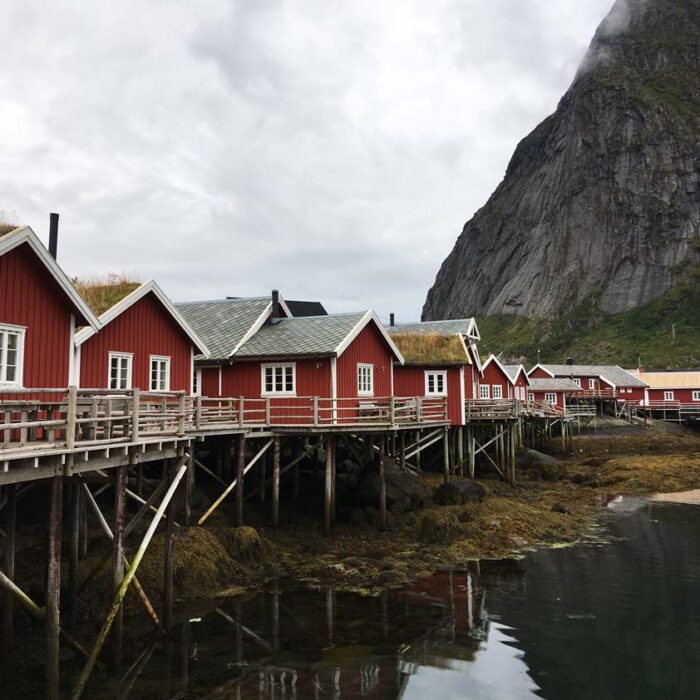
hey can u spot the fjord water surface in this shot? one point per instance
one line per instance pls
(619, 619)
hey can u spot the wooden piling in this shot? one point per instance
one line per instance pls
(328, 491)
(74, 554)
(446, 454)
(53, 589)
(460, 449)
(402, 449)
(10, 536)
(382, 483)
(333, 480)
(472, 452)
(168, 555)
(120, 479)
(189, 486)
(240, 474)
(276, 482)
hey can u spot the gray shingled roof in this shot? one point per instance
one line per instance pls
(222, 324)
(296, 337)
(613, 373)
(512, 371)
(553, 384)
(448, 327)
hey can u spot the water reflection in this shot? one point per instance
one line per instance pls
(620, 620)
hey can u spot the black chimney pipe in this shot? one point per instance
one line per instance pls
(53, 235)
(391, 320)
(275, 306)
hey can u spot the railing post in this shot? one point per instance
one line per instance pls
(315, 399)
(392, 410)
(181, 415)
(71, 412)
(267, 411)
(135, 414)
(198, 413)
(241, 405)
(419, 409)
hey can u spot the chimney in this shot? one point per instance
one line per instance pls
(391, 320)
(275, 317)
(53, 235)
(570, 361)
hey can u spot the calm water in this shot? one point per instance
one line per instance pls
(615, 620)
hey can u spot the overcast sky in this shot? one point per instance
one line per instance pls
(221, 147)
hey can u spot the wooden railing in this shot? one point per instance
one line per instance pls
(74, 418)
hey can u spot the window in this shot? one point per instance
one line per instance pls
(668, 396)
(484, 391)
(591, 384)
(696, 396)
(497, 391)
(120, 371)
(279, 379)
(530, 396)
(365, 379)
(196, 381)
(577, 381)
(11, 355)
(436, 383)
(551, 398)
(160, 373)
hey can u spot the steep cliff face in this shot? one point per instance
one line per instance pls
(600, 204)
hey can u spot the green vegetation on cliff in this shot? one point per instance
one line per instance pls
(645, 333)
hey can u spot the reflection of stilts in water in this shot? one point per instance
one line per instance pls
(330, 616)
(369, 678)
(278, 683)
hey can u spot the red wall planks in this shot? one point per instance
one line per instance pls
(369, 347)
(144, 329)
(30, 297)
(494, 376)
(409, 380)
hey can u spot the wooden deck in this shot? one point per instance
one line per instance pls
(509, 409)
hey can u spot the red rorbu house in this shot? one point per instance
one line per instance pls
(552, 390)
(497, 382)
(441, 360)
(596, 381)
(328, 369)
(143, 342)
(519, 381)
(664, 387)
(39, 311)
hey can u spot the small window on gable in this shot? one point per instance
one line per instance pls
(160, 373)
(551, 398)
(577, 381)
(120, 364)
(484, 392)
(436, 383)
(497, 391)
(279, 379)
(11, 355)
(365, 379)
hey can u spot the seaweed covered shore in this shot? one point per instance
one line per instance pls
(553, 504)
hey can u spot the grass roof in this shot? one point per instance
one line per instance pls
(430, 348)
(7, 222)
(102, 293)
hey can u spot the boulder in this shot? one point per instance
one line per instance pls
(401, 487)
(454, 493)
(526, 458)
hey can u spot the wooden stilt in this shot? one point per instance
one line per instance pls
(382, 483)
(328, 491)
(262, 476)
(120, 479)
(472, 453)
(418, 454)
(53, 590)
(75, 496)
(460, 449)
(168, 555)
(446, 454)
(83, 528)
(333, 480)
(402, 449)
(139, 479)
(189, 486)
(276, 483)
(10, 531)
(240, 474)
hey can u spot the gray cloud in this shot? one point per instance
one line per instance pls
(331, 149)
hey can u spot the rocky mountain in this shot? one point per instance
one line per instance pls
(599, 210)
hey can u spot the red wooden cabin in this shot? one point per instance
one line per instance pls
(519, 381)
(596, 381)
(496, 382)
(670, 386)
(441, 360)
(552, 390)
(39, 310)
(143, 342)
(313, 369)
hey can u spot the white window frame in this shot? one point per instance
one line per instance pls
(551, 398)
(5, 331)
(530, 395)
(496, 391)
(365, 371)
(197, 381)
(669, 396)
(159, 358)
(591, 384)
(484, 391)
(442, 374)
(696, 395)
(129, 357)
(274, 366)
(577, 381)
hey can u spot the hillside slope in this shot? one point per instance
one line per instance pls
(599, 209)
